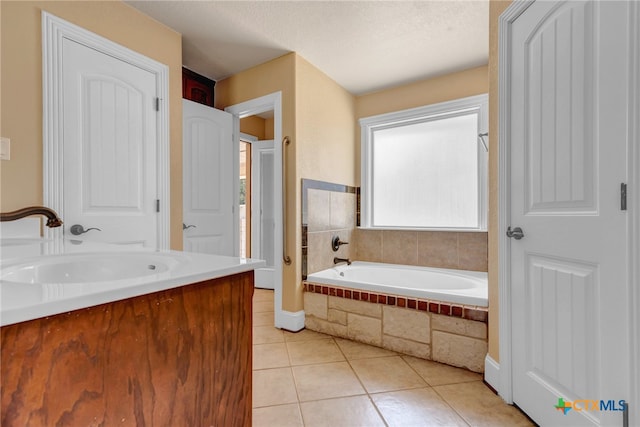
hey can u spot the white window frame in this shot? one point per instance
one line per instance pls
(474, 104)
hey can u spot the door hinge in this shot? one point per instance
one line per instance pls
(157, 104)
(623, 196)
(157, 205)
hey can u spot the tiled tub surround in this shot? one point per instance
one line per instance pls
(432, 330)
(331, 209)
(447, 333)
(442, 249)
(328, 210)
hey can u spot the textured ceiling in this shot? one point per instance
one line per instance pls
(363, 45)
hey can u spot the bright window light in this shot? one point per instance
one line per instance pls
(426, 168)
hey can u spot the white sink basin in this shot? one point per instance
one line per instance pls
(20, 241)
(88, 268)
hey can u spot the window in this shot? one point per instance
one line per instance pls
(426, 168)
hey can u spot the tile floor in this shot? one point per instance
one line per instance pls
(312, 379)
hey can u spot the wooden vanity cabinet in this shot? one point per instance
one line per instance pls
(180, 357)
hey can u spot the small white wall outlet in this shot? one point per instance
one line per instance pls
(5, 148)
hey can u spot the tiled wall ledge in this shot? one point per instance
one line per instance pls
(432, 330)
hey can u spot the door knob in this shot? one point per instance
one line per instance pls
(516, 233)
(185, 226)
(77, 229)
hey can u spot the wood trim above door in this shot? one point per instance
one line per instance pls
(54, 31)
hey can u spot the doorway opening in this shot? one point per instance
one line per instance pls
(256, 194)
(244, 210)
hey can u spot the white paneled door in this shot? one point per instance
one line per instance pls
(110, 148)
(569, 273)
(208, 180)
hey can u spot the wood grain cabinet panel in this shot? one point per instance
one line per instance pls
(180, 357)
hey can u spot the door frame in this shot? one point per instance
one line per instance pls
(252, 107)
(54, 31)
(504, 368)
(256, 226)
(249, 139)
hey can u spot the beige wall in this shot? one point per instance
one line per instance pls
(326, 127)
(274, 76)
(326, 147)
(318, 116)
(495, 9)
(254, 126)
(21, 82)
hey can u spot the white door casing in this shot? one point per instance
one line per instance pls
(263, 210)
(59, 38)
(564, 324)
(208, 180)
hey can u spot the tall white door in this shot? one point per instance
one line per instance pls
(569, 273)
(110, 169)
(263, 210)
(208, 180)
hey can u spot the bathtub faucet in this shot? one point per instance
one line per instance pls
(52, 217)
(337, 260)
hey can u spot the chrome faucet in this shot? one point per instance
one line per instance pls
(52, 217)
(337, 260)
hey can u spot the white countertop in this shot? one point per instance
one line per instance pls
(26, 301)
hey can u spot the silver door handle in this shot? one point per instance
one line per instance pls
(516, 233)
(77, 229)
(185, 226)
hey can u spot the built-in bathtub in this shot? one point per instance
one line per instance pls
(432, 313)
(444, 285)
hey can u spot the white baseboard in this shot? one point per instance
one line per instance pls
(492, 373)
(291, 321)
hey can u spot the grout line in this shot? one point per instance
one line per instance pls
(451, 406)
(366, 392)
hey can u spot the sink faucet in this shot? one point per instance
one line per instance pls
(52, 217)
(337, 260)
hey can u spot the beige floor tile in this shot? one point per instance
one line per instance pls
(267, 334)
(479, 406)
(280, 416)
(304, 335)
(273, 387)
(262, 306)
(315, 351)
(417, 407)
(435, 373)
(267, 356)
(262, 295)
(386, 374)
(326, 380)
(355, 350)
(355, 411)
(263, 319)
